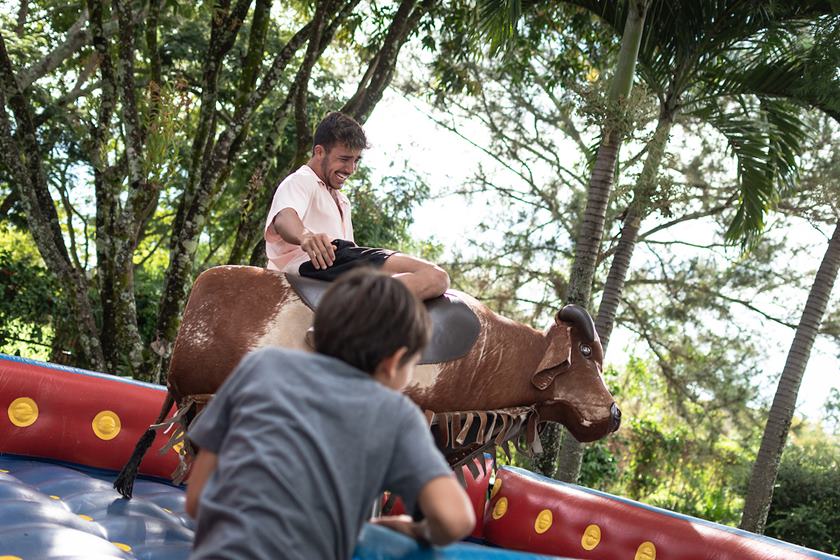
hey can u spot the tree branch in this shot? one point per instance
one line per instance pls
(303, 134)
(686, 218)
(381, 68)
(23, 13)
(751, 307)
(77, 37)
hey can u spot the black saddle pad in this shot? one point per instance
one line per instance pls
(455, 327)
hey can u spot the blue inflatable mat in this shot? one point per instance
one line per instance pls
(50, 510)
(378, 543)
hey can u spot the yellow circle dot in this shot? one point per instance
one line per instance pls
(496, 487)
(23, 412)
(106, 425)
(122, 546)
(54, 497)
(500, 508)
(543, 521)
(646, 551)
(86, 517)
(591, 537)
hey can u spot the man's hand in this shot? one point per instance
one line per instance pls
(405, 525)
(321, 252)
(319, 248)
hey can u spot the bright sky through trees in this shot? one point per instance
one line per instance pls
(403, 135)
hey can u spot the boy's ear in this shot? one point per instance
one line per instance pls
(389, 364)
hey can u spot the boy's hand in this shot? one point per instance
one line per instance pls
(319, 248)
(405, 525)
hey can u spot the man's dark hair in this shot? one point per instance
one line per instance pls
(366, 316)
(336, 128)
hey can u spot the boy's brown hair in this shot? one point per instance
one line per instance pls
(366, 316)
(336, 128)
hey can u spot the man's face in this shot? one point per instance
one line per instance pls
(337, 164)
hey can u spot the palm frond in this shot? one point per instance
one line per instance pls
(497, 20)
(766, 140)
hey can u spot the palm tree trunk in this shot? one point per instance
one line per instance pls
(645, 187)
(588, 242)
(571, 452)
(766, 467)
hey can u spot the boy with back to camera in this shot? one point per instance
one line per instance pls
(295, 447)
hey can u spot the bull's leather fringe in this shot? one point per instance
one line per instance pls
(496, 428)
(179, 434)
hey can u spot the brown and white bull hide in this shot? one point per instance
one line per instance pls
(513, 377)
(234, 309)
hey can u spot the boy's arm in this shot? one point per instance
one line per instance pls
(318, 246)
(449, 516)
(203, 467)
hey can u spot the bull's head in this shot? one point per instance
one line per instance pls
(570, 375)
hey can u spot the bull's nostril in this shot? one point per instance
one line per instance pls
(615, 417)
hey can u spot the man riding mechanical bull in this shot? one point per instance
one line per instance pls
(484, 380)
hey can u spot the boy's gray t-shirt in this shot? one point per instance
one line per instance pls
(305, 445)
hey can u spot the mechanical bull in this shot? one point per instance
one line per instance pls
(508, 381)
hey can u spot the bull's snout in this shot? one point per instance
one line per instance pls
(615, 417)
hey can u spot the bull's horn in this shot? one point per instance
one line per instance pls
(579, 316)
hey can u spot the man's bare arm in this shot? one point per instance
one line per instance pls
(203, 467)
(318, 246)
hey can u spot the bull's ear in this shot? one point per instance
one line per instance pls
(557, 356)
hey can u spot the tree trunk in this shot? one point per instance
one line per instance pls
(766, 467)
(141, 197)
(381, 68)
(571, 453)
(638, 209)
(303, 134)
(105, 188)
(588, 242)
(21, 153)
(368, 93)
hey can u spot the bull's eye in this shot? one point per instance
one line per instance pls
(586, 350)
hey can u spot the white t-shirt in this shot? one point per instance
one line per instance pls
(306, 194)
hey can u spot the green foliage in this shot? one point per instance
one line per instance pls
(659, 458)
(832, 410)
(167, 106)
(31, 299)
(498, 19)
(599, 467)
(766, 142)
(806, 500)
(382, 215)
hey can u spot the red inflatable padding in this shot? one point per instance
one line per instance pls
(78, 416)
(532, 513)
(476, 490)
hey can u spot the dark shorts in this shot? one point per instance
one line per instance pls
(348, 256)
